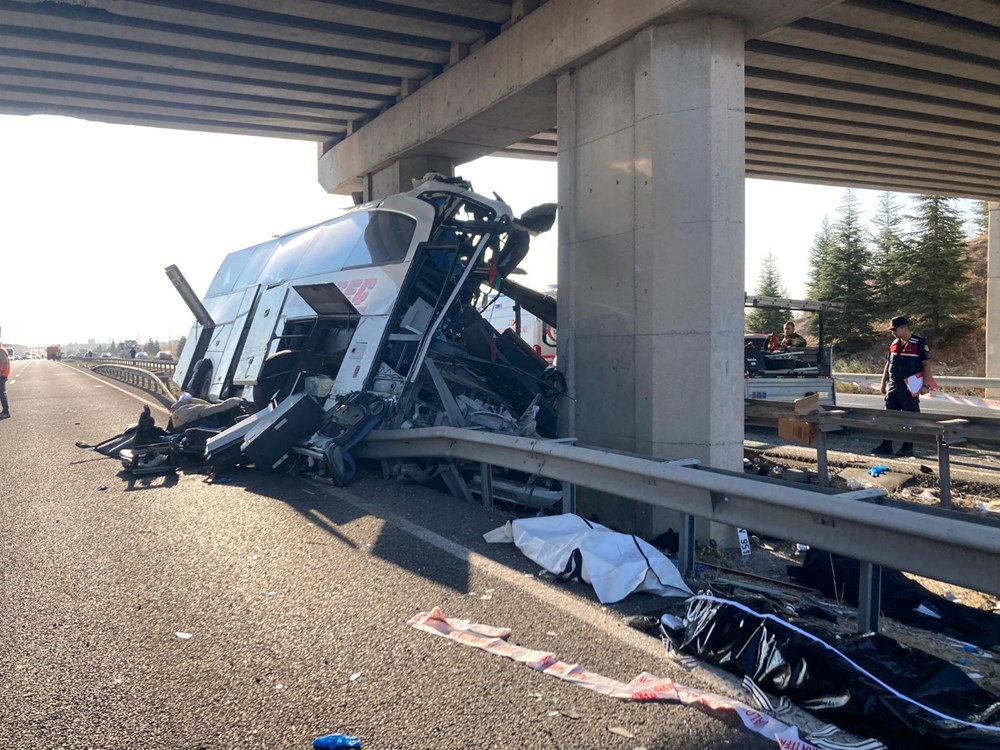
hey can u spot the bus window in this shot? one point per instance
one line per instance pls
(386, 239)
(333, 245)
(225, 278)
(255, 262)
(286, 256)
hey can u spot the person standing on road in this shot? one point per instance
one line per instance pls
(4, 374)
(908, 357)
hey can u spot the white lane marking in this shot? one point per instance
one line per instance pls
(151, 404)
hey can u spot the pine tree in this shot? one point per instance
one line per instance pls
(819, 261)
(766, 320)
(980, 218)
(935, 279)
(841, 272)
(888, 257)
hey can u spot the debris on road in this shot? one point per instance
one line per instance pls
(645, 688)
(838, 578)
(572, 548)
(331, 741)
(869, 683)
(621, 732)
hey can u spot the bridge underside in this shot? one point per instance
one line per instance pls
(869, 93)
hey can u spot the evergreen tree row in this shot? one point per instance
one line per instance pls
(916, 265)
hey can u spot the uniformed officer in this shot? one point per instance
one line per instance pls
(908, 357)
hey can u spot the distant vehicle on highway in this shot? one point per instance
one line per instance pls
(166, 356)
(105, 355)
(141, 355)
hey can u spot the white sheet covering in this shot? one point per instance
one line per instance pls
(614, 564)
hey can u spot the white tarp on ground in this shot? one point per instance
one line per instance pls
(614, 564)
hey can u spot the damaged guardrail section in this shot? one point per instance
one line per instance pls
(945, 548)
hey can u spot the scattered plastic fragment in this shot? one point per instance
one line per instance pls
(552, 713)
(877, 471)
(622, 732)
(102, 488)
(328, 741)
(279, 686)
(354, 676)
(183, 636)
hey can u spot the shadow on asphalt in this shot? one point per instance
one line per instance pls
(150, 482)
(393, 544)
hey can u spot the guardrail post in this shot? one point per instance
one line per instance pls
(869, 597)
(686, 545)
(486, 476)
(821, 459)
(944, 472)
(569, 498)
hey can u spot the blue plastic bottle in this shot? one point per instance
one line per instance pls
(329, 741)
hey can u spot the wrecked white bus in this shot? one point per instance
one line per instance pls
(381, 301)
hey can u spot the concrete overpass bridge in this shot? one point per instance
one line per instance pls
(655, 110)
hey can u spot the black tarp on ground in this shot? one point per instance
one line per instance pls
(838, 578)
(869, 684)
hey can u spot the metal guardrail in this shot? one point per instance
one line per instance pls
(126, 373)
(942, 430)
(164, 366)
(942, 545)
(946, 381)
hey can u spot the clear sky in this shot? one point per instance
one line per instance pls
(92, 213)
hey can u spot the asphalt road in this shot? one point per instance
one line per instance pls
(933, 404)
(296, 598)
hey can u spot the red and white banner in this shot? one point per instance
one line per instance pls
(646, 687)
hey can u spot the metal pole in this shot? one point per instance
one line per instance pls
(869, 597)
(486, 475)
(821, 464)
(569, 498)
(944, 472)
(686, 545)
(517, 318)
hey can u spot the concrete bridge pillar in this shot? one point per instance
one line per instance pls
(651, 194)
(398, 176)
(993, 298)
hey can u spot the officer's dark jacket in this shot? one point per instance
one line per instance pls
(906, 358)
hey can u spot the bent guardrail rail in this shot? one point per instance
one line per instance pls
(942, 545)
